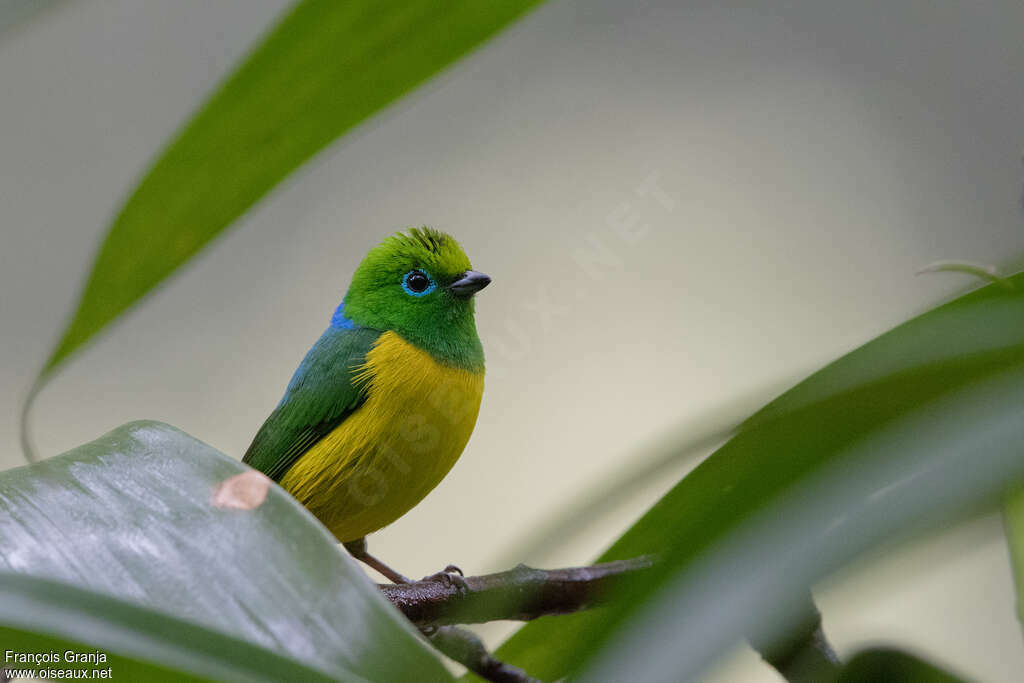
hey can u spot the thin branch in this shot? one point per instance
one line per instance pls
(465, 648)
(802, 655)
(521, 594)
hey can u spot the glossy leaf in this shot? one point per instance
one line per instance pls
(118, 545)
(326, 67)
(864, 426)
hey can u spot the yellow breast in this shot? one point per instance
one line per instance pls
(395, 448)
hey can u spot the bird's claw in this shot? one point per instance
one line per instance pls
(450, 576)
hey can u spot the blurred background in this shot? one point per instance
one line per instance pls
(684, 207)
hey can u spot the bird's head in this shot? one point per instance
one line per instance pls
(419, 284)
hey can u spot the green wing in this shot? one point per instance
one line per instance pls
(319, 397)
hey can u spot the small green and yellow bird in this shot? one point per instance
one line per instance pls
(383, 404)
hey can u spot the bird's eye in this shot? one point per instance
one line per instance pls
(417, 283)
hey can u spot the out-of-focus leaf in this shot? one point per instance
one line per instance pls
(928, 463)
(117, 545)
(893, 666)
(1013, 523)
(988, 319)
(801, 473)
(324, 68)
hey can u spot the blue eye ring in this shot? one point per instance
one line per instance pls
(412, 283)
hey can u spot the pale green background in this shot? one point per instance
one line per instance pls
(813, 156)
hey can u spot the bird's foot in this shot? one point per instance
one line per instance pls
(450, 576)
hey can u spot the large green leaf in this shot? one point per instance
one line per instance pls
(798, 473)
(117, 545)
(324, 68)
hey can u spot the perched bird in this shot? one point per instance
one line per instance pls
(383, 404)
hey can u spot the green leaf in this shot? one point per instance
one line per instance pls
(117, 545)
(924, 422)
(326, 67)
(892, 666)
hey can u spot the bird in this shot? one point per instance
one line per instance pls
(383, 404)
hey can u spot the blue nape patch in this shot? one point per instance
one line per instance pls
(340, 321)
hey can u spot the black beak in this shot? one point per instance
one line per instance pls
(469, 284)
